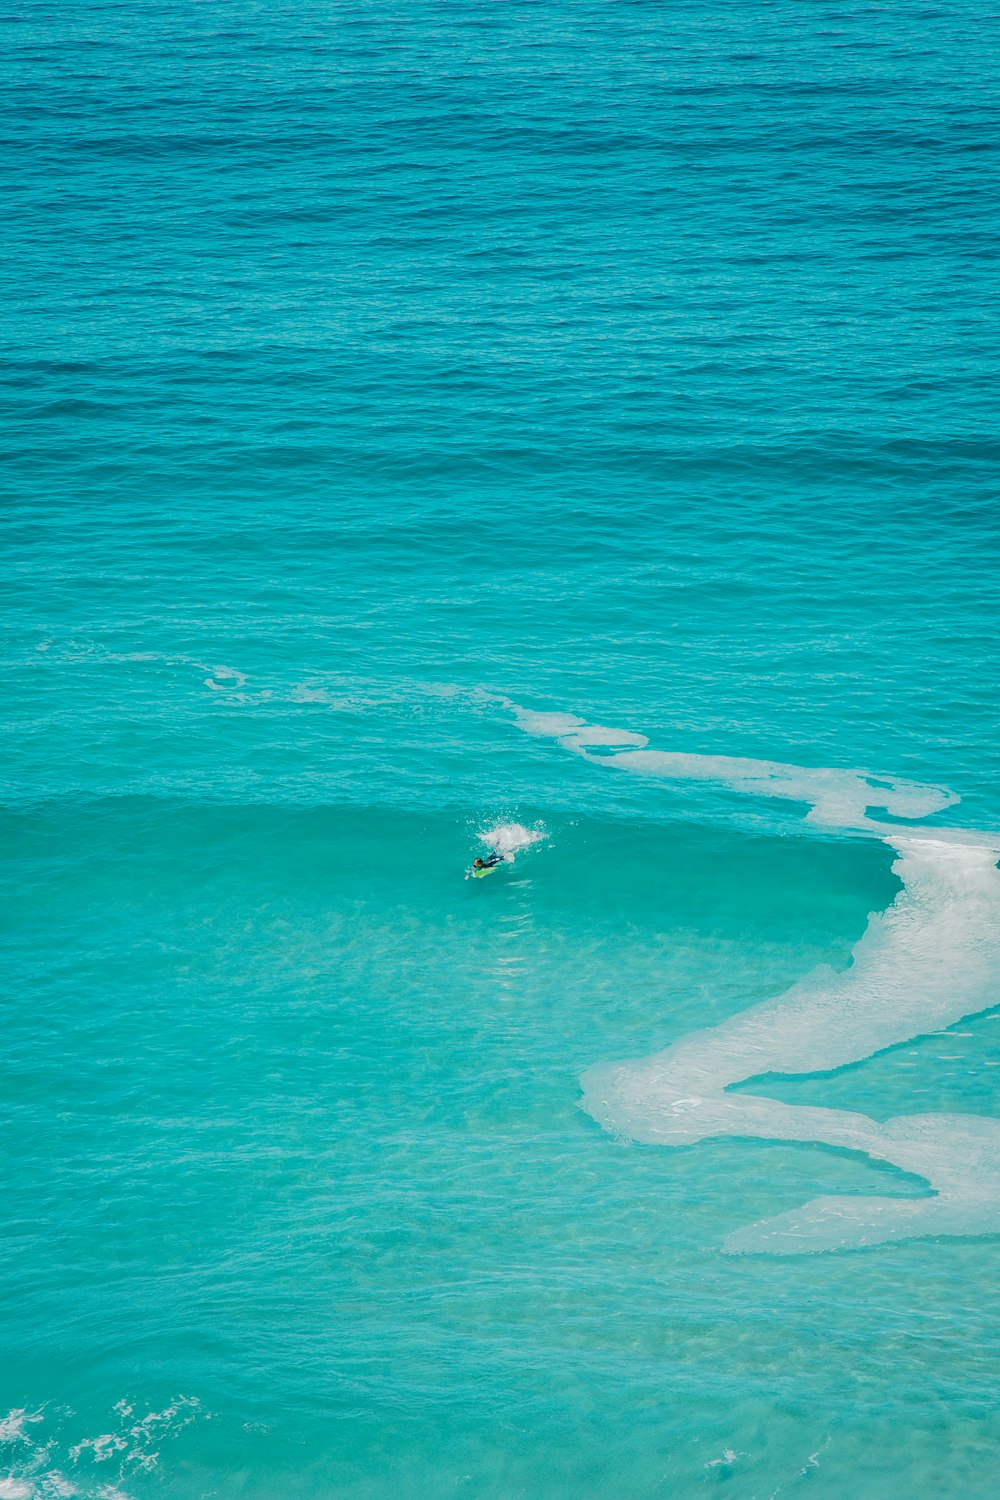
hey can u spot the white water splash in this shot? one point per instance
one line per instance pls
(930, 959)
(510, 838)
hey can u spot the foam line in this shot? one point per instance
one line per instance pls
(836, 798)
(930, 959)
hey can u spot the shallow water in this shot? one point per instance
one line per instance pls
(429, 420)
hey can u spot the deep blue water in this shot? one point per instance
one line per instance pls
(433, 419)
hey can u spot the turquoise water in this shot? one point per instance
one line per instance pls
(433, 420)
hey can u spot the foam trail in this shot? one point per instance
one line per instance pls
(837, 799)
(931, 958)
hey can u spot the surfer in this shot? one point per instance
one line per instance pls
(481, 867)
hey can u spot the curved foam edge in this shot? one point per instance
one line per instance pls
(931, 958)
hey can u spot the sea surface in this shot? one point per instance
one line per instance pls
(567, 428)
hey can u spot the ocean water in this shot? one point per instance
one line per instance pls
(572, 427)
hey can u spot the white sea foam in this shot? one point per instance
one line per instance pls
(546, 726)
(930, 959)
(572, 732)
(56, 1485)
(838, 799)
(132, 1445)
(601, 734)
(101, 1447)
(225, 678)
(729, 1457)
(13, 1424)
